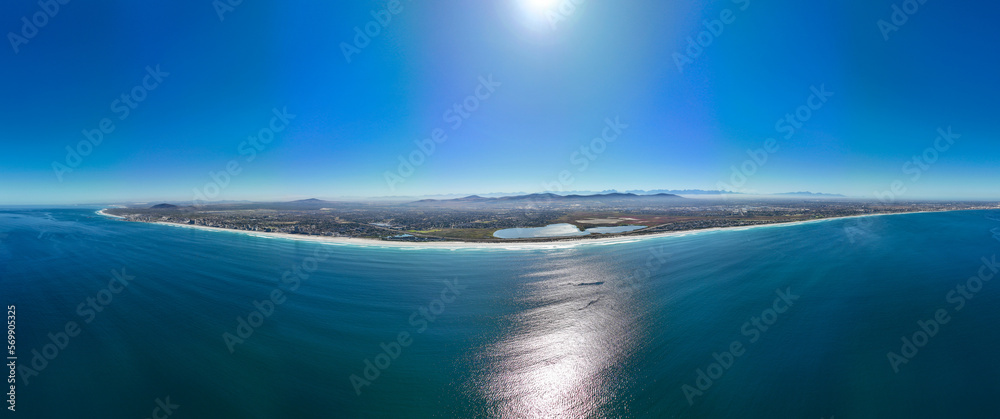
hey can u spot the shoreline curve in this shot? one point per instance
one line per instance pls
(536, 245)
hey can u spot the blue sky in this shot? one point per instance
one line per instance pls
(558, 72)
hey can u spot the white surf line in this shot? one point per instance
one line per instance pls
(551, 245)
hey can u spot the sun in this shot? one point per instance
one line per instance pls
(540, 6)
(540, 17)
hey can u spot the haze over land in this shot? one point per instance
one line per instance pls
(477, 218)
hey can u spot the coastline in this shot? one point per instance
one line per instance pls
(101, 212)
(558, 243)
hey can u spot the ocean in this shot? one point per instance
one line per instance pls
(886, 316)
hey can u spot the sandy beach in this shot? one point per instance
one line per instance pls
(558, 243)
(101, 212)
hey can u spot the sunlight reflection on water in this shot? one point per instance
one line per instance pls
(559, 358)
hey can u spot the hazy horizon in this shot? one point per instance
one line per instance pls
(404, 198)
(269, 102)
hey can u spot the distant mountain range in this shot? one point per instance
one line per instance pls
(552, 196)
(163, 206)
(564, 193)
(682, 192)
(549, 198)
(492, 199)
(828, 195)
(691, 192)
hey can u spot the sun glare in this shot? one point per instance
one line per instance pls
(540, 6)
(536, 14)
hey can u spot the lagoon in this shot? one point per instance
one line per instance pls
(559, 230)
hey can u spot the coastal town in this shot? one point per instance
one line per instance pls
(477, 219)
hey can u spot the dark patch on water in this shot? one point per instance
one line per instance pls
(589, 304)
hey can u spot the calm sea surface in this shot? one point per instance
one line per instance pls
(787, 321)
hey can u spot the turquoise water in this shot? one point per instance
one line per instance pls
(559, 230)
(588, 331)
